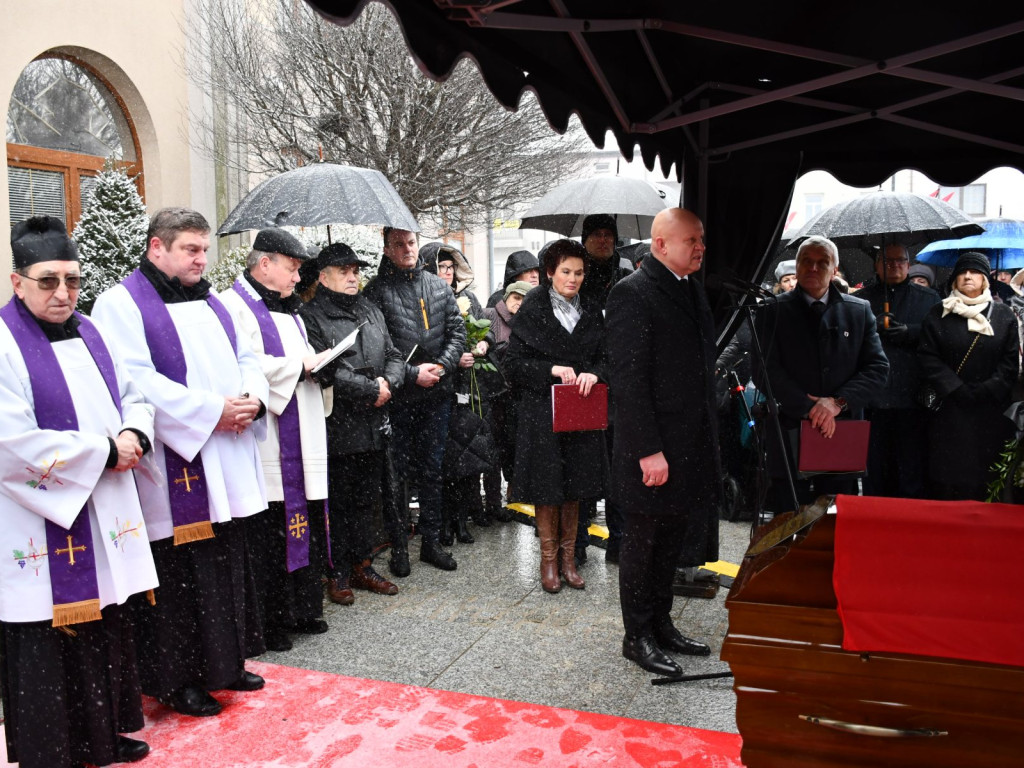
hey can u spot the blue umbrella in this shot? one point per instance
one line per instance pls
(1002, 241)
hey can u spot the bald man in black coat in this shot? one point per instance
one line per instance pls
(666, 472)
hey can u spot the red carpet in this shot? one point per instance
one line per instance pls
(317, 720)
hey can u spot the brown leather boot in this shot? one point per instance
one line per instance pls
(547, 530)
(567, 545)
(339, 591)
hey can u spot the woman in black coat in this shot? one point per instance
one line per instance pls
(969, 354)
(554, 340)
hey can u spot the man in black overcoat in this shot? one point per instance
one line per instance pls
(666, 469)
(897, 455)
(824, 360)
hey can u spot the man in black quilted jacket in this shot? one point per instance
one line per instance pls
(425, 325)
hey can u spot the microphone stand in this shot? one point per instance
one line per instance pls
(773, 412)
(770, 402)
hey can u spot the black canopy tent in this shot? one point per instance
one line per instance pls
(742, 97)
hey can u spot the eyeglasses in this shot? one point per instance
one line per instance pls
(52, 282)
(446, 267)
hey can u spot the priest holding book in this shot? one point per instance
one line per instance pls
(76, 547)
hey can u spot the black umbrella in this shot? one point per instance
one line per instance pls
(632, 202)
(887, 218)
(323, 193)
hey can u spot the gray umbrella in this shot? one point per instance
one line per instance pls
(633, 203)
(884, 218)
(323, 193)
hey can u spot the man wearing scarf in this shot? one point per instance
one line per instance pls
(183, 351)
(285, 539)
(75, 544)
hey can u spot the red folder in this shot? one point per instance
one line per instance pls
(571, 412)
(845, 452)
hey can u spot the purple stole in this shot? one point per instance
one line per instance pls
(296, 513)
(186, 480)
(70, 556)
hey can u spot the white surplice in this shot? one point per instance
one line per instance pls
(71, 467)
(187, 415)
(283, 377)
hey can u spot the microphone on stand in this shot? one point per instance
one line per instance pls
(737, 285)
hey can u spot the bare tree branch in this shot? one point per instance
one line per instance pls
(304, 86)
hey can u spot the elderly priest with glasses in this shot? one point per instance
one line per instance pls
(74, 541)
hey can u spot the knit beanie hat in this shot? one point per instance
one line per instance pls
(598, 221)
(971, 260)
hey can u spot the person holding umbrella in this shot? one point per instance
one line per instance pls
(898, 448)
(969, 355)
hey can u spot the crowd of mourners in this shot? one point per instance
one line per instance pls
(932, 365)
(186, 473)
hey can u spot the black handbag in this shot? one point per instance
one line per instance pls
(928, 397)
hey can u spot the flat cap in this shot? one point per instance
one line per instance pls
(339, 255)
(276, 240)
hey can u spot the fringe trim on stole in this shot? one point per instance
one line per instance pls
(184, 534)
(76, 613)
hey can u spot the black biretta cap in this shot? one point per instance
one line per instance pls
(39, 239)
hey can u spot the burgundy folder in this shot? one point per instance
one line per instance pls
(571, 412)
(845, 452)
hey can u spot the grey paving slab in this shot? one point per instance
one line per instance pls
(489, 629)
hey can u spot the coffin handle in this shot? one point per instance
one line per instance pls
(873, 730)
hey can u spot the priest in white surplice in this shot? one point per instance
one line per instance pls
(184, 353)
(286, 540)
(72, 429)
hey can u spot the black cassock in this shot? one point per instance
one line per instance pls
(61, 690)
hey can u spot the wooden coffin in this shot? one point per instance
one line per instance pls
(801, 700)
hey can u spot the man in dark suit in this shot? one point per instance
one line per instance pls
(666, 471)
(824, 361)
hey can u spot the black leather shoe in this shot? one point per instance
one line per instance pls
(311, 627)
(277, 641)
(671, 640)
(462, 533)
(647, 655)
(194, 702)
(398, 564)
(247, 682)
(431, 552)
(130, 750)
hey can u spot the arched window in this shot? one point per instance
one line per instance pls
(64, 121)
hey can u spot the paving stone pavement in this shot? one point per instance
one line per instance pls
(489, 629)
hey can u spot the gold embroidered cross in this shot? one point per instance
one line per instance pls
(185, 477)
(71, 551)
(298, 526)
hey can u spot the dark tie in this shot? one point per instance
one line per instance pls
(818, 308)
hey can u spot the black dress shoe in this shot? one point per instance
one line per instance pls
(194, 702)
(431, 552)
(646, 653)
(247, 682)
(671, 640)
(130, 750)
(311, 627)
(462, 534)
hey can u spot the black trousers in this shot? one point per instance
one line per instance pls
(355, 482)
(898, 453)
(651, 545)
(285, 599)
